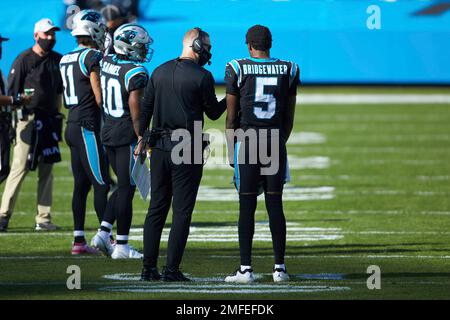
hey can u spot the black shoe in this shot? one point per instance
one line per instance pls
(4, 224)
(150, 274)
(48, 226)
(169, 275)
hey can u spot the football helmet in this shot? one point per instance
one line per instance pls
(92, 24)
(133, 41)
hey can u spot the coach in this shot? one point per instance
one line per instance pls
(178, 94)
(38, 128)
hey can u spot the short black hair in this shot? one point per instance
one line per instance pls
(259, 37)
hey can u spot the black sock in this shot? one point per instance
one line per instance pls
(80, 239)
(274, 205)
(247, 208)
(102, 228)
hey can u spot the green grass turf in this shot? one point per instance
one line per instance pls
(390, 170)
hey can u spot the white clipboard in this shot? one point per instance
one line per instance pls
(141, 177)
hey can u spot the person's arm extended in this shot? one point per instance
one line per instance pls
(294, 81)
(146, 113)
(137, 86)
(232, 110)
(15, 102)
(133, 102)
(213, 108)
(148, 105)
(290, 116)
(96, 85)
(16, 78)
(5, 101)
(59, 102)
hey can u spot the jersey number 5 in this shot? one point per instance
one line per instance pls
(260, 97)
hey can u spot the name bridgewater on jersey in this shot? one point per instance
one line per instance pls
(266, 69)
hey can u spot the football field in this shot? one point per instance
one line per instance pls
(370, 185)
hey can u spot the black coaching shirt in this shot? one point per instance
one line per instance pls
(79, 98)
(263, 86)
(2, 84)
(30, 71)
(179, 92)
(119, 78)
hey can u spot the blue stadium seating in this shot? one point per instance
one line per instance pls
(328, 39)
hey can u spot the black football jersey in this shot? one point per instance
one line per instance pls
(119, 78)
(79, 98)
(263, 86)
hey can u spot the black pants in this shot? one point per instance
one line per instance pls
(120, 204)
(5, 147)
(180, 182)
(249, 180)
(89, 168)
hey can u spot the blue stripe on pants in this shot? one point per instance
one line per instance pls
(237, 178)
(90, 144)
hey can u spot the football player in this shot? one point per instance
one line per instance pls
(262, 90)
(123, 80)
(80, 71)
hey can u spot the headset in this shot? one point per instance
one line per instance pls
(198, 46)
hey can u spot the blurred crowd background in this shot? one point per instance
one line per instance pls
(329, 39)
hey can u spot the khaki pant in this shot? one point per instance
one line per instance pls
(18, 172)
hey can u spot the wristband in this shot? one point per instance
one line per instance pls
(16, 101)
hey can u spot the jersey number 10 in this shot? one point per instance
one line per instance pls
(112, 97)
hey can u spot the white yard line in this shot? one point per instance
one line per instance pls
(306, 138)
(48, 257)
(347, 256)
(372, 118)
(295, 163)
(223, 289)
(291, 193)
(296, 212)
(337, 151)
(207, 193)
(236, 257)
(214, 234)
(433, 178)
(374, 99)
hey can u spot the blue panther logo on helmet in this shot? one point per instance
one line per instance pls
(127, 36)
(133, 41)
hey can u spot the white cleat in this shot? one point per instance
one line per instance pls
(103, 244)
(239, 276)
(126, 252)
(280, 275)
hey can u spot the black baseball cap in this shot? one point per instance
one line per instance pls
(3, 39)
